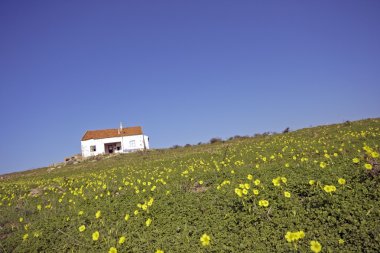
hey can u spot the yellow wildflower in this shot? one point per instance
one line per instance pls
(287, 194)
(342, 181)
(159, 251)
(257, 182)
(112, 250)
(255, 191)
(263, 203)
(148, 222)
(329, 188)
(294, 236)
(368, 166)
(322, 165)
(355, 160)
(98, 214)
(126, 217)
(311, 182)
(315, 246)
(239, 192)
(122, 240)
(95, 236)
(249, 177)
(341, 241)
(25, 237)
(82, 228)
(276, 181)
(205, 240)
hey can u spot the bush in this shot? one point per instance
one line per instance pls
(215, 140)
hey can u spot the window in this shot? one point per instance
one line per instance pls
(132, 143)
(93, 148)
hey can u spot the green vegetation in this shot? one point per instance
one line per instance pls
(312, 190)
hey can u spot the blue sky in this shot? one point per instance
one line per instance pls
(186, 71)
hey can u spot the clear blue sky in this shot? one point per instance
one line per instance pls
(186, 71)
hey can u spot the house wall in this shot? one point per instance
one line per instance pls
(126, 146)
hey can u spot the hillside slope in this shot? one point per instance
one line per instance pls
(309, 190)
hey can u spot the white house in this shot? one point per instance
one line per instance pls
(116, 140)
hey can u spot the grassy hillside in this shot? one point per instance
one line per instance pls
(304, 191)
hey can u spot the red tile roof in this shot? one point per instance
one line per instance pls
(109, 133)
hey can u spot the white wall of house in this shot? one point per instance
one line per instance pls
(128, 144)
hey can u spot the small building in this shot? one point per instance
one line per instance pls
(116, 140)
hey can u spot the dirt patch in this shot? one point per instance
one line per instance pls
(35, 192)
(198, 188)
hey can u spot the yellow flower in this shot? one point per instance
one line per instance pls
(249, 177)
(136, 212)
(80, 213)
(245, 191)
(95, 236)
(98, 214)
(276, 181)
(368, 166)
(329, 188)
(284, 180)
(287, 194)
(247, 186)
(341, 241)
(25, 237)
(239, 192)
(255, 191)
(311, 182)
(257, 182)
(205, 240)
(342, 181)
(82, 228)
(148, 222)
(159, 251)
(112, 250)
(289, 236)
(263, 203)
(375, 154)
(294, 236)
(21, 219)
(300, 234)
(39, 207)
(355, 160)
(126, 217)
(122, 240)
(200, 182)
(322, 165)
(315, 246)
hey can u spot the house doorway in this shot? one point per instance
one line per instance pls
(114, 147)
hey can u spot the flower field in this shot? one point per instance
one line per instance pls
(312, 190)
